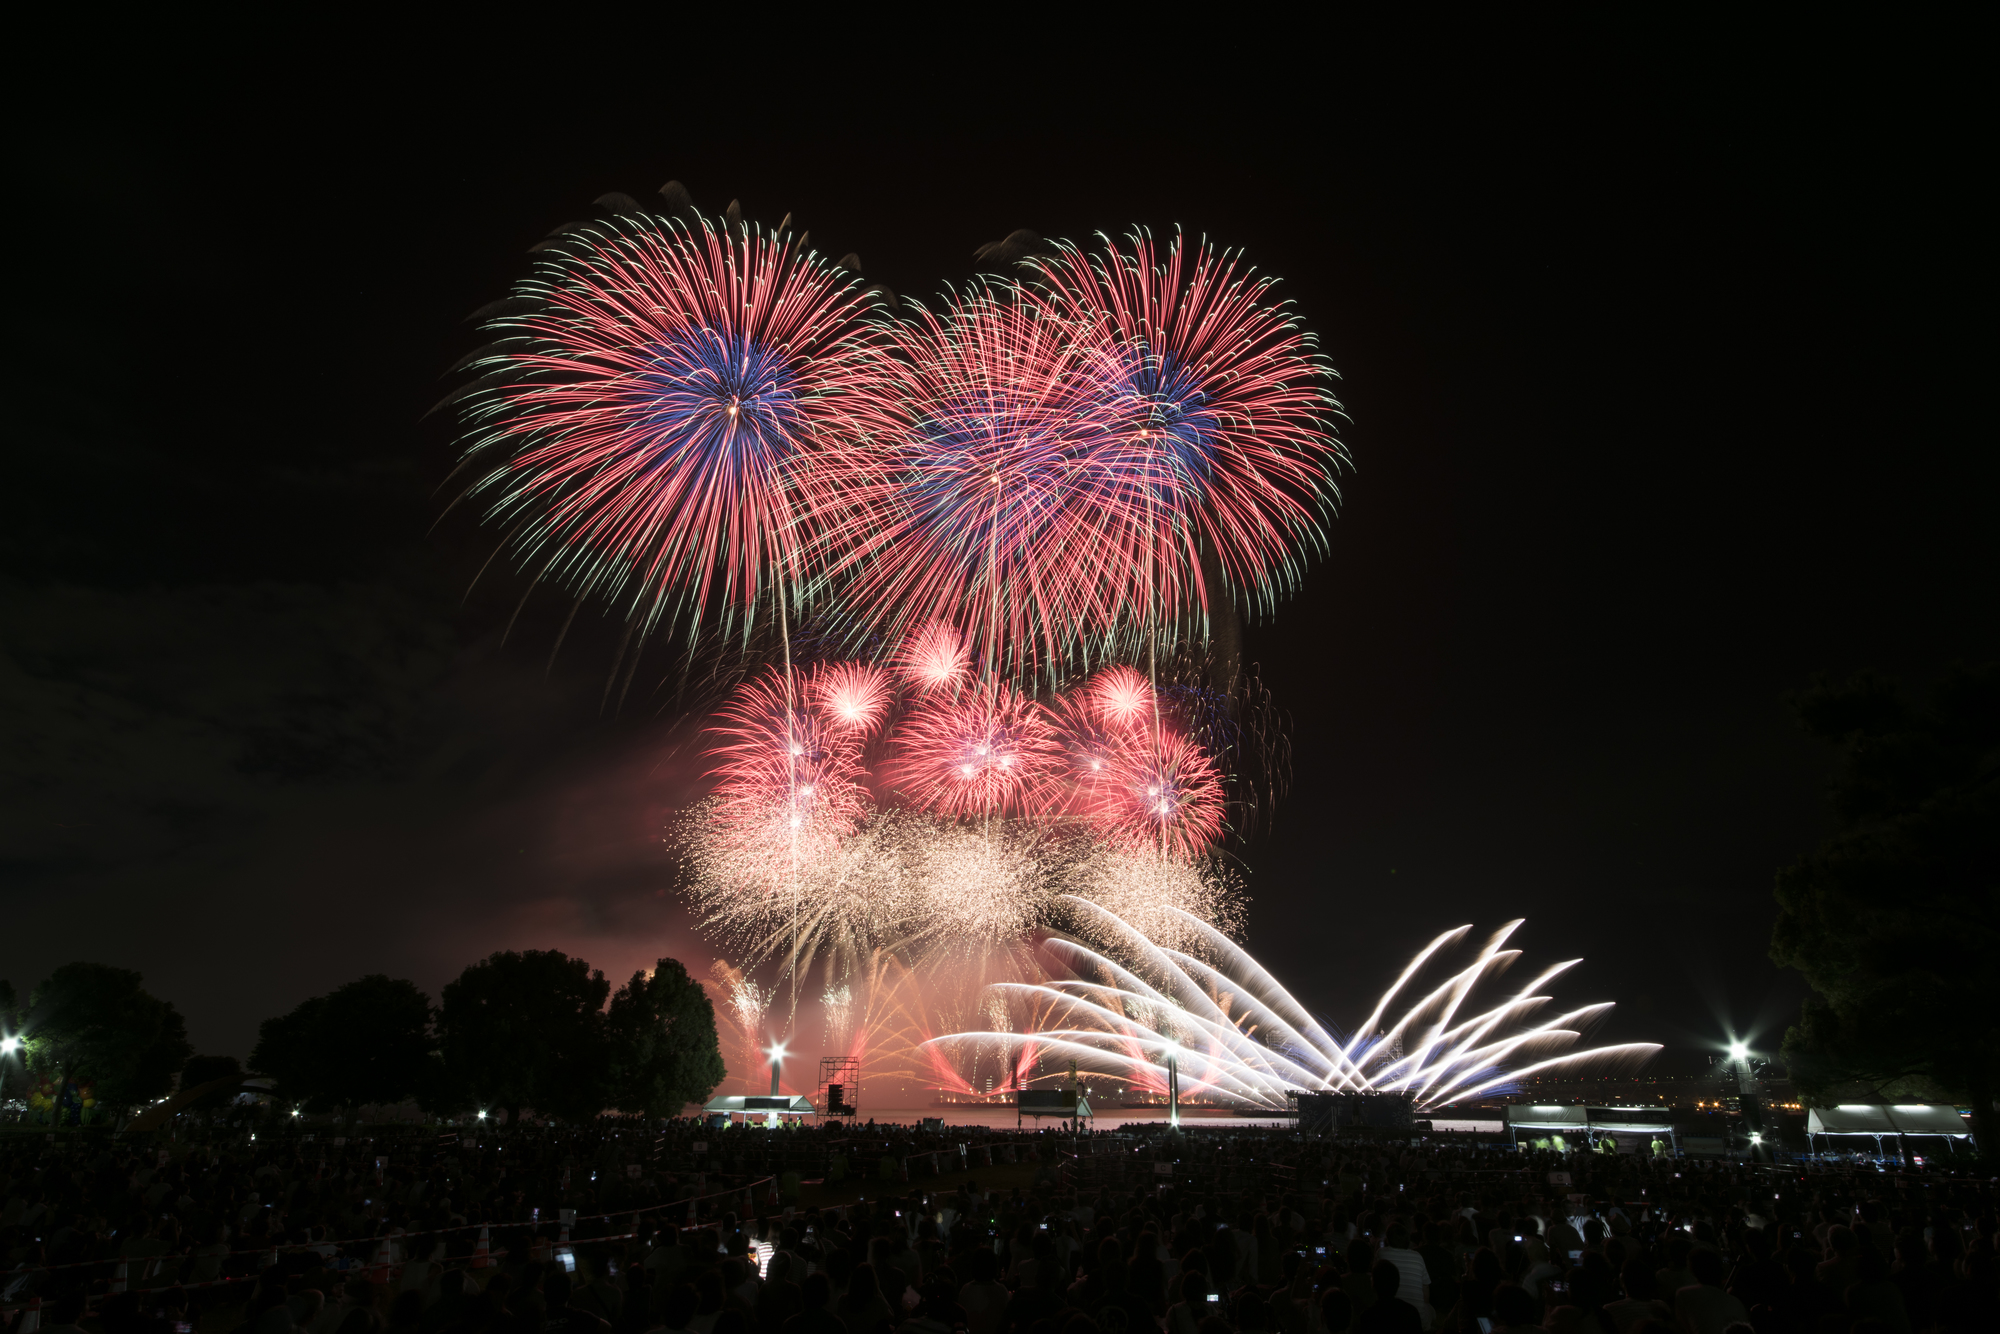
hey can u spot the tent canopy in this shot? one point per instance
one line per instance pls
(782, 1104)
(1578, 1116)
(1886, 1118)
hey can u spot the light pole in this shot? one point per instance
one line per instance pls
(777, 1067)
(1746, 1101)
(1174, 1084)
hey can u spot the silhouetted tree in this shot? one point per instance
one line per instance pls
(1895, 921)
(527, 1030)
(663, 1049)
(366, 1042)
(92, 1022)
(201, 1070)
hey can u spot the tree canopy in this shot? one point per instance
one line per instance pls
(366, 1042)
(1895, 920)
(92, 1022)
(527, 1029)
(661, 1037)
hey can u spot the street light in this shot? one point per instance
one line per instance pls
(777, 1065)
(777, 1054)
(8, 1046)
(1747, 1105)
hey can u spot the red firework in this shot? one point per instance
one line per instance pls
(659, 418)
(1217, 406)
(1121, 697)
(850, 696)
(989, 752)
(1163, 794)
(1089, 745)
(785, 777)
(934, 657)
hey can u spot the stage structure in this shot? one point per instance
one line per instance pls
(839, 1093)
(1324, 1113)
(1065, 1104)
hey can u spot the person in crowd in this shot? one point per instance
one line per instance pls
(1703, 1307)
(982, 1297)
(865, 1309)
(1514, 1311)
(1414, 1289)
(1640, 1302)
(1196, 1297)
(1388, 1313)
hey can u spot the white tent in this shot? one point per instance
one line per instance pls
(1887, 1118)
(1632, 1127)
(1881, 1120)
(770, 1107)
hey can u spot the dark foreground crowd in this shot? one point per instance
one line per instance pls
(1238, 1232)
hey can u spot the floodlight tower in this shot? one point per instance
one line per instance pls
(1746, 1101)
(777, 1068)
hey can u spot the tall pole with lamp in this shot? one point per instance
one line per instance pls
(777, 1067)
(1747, 1102)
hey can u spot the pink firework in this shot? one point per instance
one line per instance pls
(1217, 408)
(1121, 697)
(934, 657)
(850, 696)
(1089, 748)
(656, 423)
(785, 778)
(1163, 794)
(989, 752)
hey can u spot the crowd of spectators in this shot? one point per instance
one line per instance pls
(632, 1230)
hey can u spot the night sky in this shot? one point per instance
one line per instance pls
(1656, 353)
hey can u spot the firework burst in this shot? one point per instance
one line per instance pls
(1161, 792)
(987, 753)
(1157, 896)
(933, 657)
(988, 502)
(787, 778)
(1128, 1001)
(1212, 399)
(1121, 697)
(827, 909)
(650, 417)
(851, 696)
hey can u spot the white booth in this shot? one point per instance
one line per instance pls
(1884, 1127)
